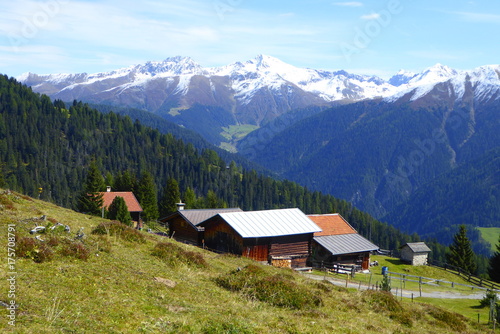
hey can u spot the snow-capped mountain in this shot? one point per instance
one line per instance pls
(483, 83)
(244, 80)
(258, 90)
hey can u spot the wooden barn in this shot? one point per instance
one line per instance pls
(339, 243)
(184, 224)
(280, 237)
(133, 205)
(415, 253)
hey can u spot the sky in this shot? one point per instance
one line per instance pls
(366, 37)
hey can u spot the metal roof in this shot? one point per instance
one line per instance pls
(418, 247)
(270, 223)
(196, 216)
(345, 243)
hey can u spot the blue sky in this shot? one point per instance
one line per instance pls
(370, 37)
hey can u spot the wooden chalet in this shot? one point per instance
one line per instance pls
(131, 201)
(339, 243)
(184, 224)
(280, 237)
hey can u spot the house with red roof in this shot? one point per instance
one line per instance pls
(339, 243)
(133, 205)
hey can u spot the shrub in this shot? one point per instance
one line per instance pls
(6, 203)
(75, 249)
(445, 318)
(488, 297)
(277, 290)
(43, 254)
(25, 246)
(53, 242)
(121, 230)
(173, 255)
(383, 301)
(102, 244)
(111, 228)
(132, 235)
(33, 249)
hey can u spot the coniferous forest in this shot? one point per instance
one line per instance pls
(46, 149)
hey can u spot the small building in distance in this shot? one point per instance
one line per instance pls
(415, 253)
(133, 205)
(279, 237)
(183, 225)
(339, 243)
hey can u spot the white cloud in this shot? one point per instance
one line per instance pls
(349, 4)
(372, 16)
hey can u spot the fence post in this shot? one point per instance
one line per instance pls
(420, 285)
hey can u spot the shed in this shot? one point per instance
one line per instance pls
(184, 224)
(415, 253)
(339, 242)
(280, 237)
(131, 201)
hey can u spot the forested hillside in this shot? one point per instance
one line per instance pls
(46, 148)
(417, 165)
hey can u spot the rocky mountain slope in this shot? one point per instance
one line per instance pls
(254, 92)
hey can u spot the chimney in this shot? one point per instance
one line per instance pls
(180, 206)
(108, 189)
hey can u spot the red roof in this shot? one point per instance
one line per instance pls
(332, 224)
(129, 197)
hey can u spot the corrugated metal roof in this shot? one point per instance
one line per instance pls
(270, 223)
(345, 243)
(196, 216)
(418, 247)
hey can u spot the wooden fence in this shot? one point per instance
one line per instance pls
(337, 267)
(466, 275)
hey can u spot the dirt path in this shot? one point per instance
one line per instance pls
(406, 293)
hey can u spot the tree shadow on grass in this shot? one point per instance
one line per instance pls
(395, 262)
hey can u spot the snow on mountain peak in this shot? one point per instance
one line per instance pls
(267, 72)
(170, 67)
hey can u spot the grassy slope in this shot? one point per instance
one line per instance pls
(490, 234)
(116, 292)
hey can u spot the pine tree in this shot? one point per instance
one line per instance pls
(118, 210)
(190, 198)
(124, 182)
(494, 268)
(146, 194)
(171, 196)
(90, 200)
(213, 202)
(461, 254)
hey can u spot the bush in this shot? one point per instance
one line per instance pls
(6, 203)
(448, 319)
(277, 290)
(488, 297)
(121, 230)
(173, 255)
(384, 302)
(75, 249)
(31, 248)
